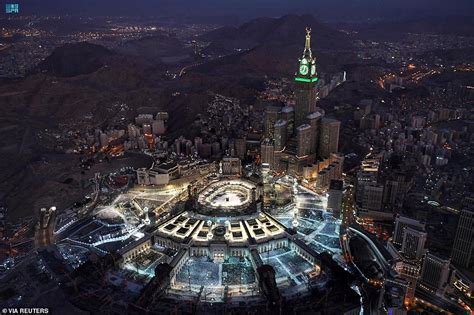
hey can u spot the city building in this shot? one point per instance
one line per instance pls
(401, 223)
(158, 174)
(241, 147)
(158, 127)
(231, 166)
(367, 177)
(288, 114)
(413, 243)
(280, 134)
(314, 120)
(164, 116)
(335, 197)
(409, 271)
(329, 137)
(462, 253)
(267, 152)
(370, 122)
(395, 188)
(271, 116)
(372, 200)
(435, 273)
(304, 138)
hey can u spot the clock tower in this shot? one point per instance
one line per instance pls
(306, 78)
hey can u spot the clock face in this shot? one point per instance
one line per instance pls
(304, 69)
(313, 70)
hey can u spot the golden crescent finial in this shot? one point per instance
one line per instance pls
(308, 30)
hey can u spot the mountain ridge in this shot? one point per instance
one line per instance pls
(276, 32)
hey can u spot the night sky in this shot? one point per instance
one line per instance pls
(337, 10)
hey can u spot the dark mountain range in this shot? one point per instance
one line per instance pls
(74, 59)
(283, 31)
(271, 47)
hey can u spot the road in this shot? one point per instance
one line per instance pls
(44, 234)
(183, 70)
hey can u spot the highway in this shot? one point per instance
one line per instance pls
(384, 263)
(438, 302)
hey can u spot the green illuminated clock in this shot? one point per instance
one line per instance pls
(304, 69)
(313, 70)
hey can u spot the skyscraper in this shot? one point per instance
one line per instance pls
(329, 137)
(306, 79)
(241, 147)
(303, 134)
(335, 197)
(280, 134)
(413, 243)
(401, 223)
(372, 199)
(314, 120)
(296, 148)
(288, 113)
(267, 152)
(367, 175)
(396, 186)
(435, 273)
(271, 116)
(462, 253)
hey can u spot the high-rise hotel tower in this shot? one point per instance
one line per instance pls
(306, 78)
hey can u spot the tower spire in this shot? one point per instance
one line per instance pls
(307, 46)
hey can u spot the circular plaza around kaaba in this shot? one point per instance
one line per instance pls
(228, 198)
